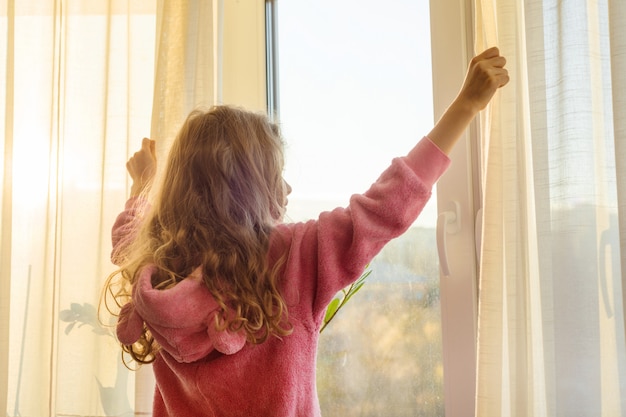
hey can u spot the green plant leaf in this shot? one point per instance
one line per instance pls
(338, 302)
(353, 290)
(331, 310)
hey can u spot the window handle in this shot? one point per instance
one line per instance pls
(448, 223)
(478, 234)
(606, 243)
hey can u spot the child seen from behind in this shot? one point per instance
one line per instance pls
(224, 298)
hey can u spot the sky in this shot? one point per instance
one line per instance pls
(355, 91)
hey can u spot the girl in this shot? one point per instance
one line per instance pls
(224, 298)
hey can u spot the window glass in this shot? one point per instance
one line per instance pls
(354, 91)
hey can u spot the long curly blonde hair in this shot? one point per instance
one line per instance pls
(221, 194)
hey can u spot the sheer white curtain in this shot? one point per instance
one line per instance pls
(553, 258)
(81, 82)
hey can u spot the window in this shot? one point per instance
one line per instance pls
(353, 90)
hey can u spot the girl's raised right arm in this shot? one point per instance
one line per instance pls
(485, 75)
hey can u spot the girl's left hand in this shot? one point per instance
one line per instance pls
(485, 75)
(142, 167)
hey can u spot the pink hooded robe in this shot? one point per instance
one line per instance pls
(202, 372)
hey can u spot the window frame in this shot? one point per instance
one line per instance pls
(452, 47)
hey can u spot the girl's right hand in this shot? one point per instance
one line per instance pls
(485, 75)
(142, 167)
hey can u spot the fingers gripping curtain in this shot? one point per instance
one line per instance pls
(187, 66)
(551, 303)
(77, 81)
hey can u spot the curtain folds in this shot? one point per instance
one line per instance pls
(187, 66)
(551, 303)
(81, 83)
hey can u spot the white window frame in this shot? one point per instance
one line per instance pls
(248, 78)
(452, 48)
